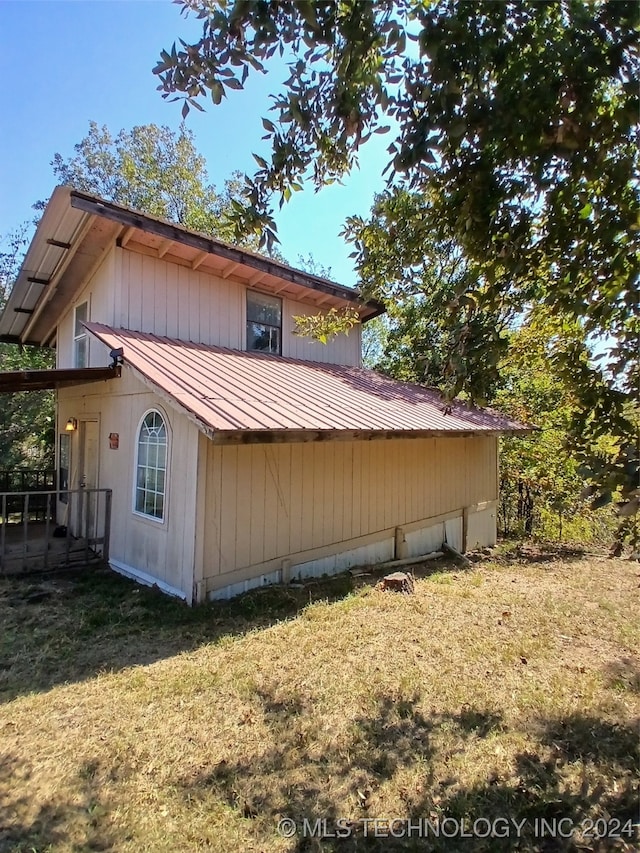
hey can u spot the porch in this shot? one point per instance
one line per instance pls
(48, 529)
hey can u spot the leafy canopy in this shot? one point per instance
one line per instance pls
(435, 331)
(515, 123)
(155, 170)
(540, 475)
(515, 120)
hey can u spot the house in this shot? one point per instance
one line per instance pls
(237, 453)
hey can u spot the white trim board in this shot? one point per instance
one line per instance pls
(144, 578)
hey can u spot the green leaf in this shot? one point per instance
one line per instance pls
(217, 92)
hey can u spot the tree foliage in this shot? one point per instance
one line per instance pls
(541, 479)
(516, 125)
(155, 170)
(308, 263)
(323, 326)
(27, 420)
(436, 333)
(327, 324)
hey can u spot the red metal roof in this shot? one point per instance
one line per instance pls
(228, 390)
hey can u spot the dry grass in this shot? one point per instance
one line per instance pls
(130, 723)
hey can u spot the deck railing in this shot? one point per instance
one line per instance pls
(73, 528)
(17, 481)
(27, 479)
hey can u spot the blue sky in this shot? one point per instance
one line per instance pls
(64, 63)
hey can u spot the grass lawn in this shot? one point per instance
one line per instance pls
(500, 698)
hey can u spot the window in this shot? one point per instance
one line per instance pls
(151, 466)
(80, 337)
(264, 322)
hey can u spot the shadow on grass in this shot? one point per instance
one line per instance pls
(624, 674)
(65, 628)
(518, 551)
(78, 823)
(558, 799)
(396, 736)
(68, 627)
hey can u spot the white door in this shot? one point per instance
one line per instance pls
(88, 479)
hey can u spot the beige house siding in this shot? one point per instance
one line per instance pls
(99, 292)
(268, 503)
(209, 309)
(139, 546)
(134, 291)
(246, 514)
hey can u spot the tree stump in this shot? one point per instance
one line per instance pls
(397, 582)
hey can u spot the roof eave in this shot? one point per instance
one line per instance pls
(265, 436)
(179, 234)
(12, 381)
(44, 264)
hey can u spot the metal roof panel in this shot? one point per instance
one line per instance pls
(230, 390)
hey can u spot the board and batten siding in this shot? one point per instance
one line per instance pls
(99, 293)
(145, 294)
(267, 503)
(177, 302)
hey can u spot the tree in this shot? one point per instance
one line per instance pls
(154, 170)
(541, 482)
(308, 263)
(426, 339)
(514, 121)
(434, 329)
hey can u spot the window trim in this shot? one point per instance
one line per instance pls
(83, 336)
(249, 291)
(165, 504)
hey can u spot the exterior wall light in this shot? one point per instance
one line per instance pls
(71, 425)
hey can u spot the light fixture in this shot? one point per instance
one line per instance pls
(72, 425)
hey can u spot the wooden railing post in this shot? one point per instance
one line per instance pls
(107, 525)
(67, 542)
(84, 514)
(25, 529)
(3, 532)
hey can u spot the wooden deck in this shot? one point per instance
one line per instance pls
(42, 551)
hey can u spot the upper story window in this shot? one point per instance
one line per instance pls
(151, 466)
(80, 336)
(264, 322)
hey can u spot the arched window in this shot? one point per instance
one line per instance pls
(151, 466)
